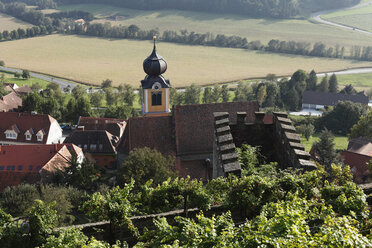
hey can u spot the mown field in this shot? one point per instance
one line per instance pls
(253, 29)
(92, 60)
(10, 23)
(356, 17)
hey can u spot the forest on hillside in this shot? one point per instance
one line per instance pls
(254, 8)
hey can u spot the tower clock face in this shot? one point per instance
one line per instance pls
(156, 86)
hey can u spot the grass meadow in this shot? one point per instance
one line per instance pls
(91, 60)
(340, 142)
(9, 78)
(357, 17)
(251, 28)
(10, 23)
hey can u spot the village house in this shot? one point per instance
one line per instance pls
(34, 163)
(28, 128)
(315, 100)
(99, 138)
(357, 155)
(10, 102)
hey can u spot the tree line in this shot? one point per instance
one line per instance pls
(318, 49)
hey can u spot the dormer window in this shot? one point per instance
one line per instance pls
(40, 135)
(11, 135)
(28, 134)
(12, 132)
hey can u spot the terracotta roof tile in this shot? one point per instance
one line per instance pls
(10, 102)
(24, 122)
(114, 126)
(94, 141)
(155, 132)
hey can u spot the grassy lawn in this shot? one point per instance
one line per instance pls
(10, 23)
(92, 60)
(251, 28)
(340, 142)
(9, 78)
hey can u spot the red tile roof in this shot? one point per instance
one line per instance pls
(24, 122)
(194, 124)
(114, 126)
(23, 90)
(10, 102)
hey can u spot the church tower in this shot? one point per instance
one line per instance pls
(155, 88)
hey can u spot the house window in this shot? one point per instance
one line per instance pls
(2, 168)
(19, 167)
(85, 146)
(30, 167)
(38, 168)
(13, 167)
(156, 98)
(100, 147)
(28, 137)
(39, 137)
(11, 135)
(93, 147)
(8, 168)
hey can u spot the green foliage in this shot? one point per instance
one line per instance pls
(324, 85)
(2, 63)
(26, 74)
(343, 117)
(202, 232)
(311, 81)
(349, 90)
(363, 127)
(120, 111)
(248, 157)
(225, 93)
(333, 84)
(192, 94)
(127, 94)
(60, 195)
(107, 83)
(42, 220)
(173, 194)
(71, 237)
(324, 149)
(96, 99)
(85, 175)
(144, 164)
(17, 200)
(78, 91)
(287, 223)
(114, 206)
(306, 130)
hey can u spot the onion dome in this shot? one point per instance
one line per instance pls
(155, 64)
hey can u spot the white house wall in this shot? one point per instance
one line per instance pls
(55, 133)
